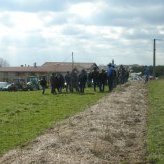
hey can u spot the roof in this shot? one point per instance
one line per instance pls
(67, 66)
(49, 67)
(84, 65)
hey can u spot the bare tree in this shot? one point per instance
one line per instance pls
(3, 63)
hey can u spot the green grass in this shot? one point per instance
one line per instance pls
(156, 122)
(25, 115)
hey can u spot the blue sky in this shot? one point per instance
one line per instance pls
(95, 30)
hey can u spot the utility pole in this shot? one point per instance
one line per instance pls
(72, 61)
(154, 56)
(154, 51)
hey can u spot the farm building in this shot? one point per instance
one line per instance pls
(23, 72)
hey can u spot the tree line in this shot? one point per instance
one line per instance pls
(159, 70)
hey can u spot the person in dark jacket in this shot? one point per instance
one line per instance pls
(89, 79)
(95, 78)
(68, 81)
(53, 83)
(82, 80)
(110, 77)
(43, 84)
(122, 74)
(102, 80)
(114, 76)
(60, 82)
(74, 81)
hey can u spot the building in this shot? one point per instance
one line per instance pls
(23, 72)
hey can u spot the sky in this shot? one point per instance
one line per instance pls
(94, 30)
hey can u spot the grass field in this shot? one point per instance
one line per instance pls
(25, 115)
(156, 122)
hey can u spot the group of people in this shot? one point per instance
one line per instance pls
(72, 81)
(111, 77)
(76, 81)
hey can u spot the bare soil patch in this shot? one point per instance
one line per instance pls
(111, 131)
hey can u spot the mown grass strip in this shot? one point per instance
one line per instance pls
(156, 122)
(25, 115)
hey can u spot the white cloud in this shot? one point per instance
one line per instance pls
(98, 31)
(85, 10)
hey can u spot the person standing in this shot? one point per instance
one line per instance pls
(89, 79)
(82, 80)
(68, 81)
(122, 74)
(43, 84)
(74, 81)
(114, 76)
(95, 77)
(60, 82)
(52, 83)
(146, 73)
(102, 80)
(110, 77)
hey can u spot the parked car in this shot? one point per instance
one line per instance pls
(17, 87)
(3, 84)
(10, 87)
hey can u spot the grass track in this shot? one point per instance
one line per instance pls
(25, 115)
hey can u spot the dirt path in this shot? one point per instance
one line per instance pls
(112, 131)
